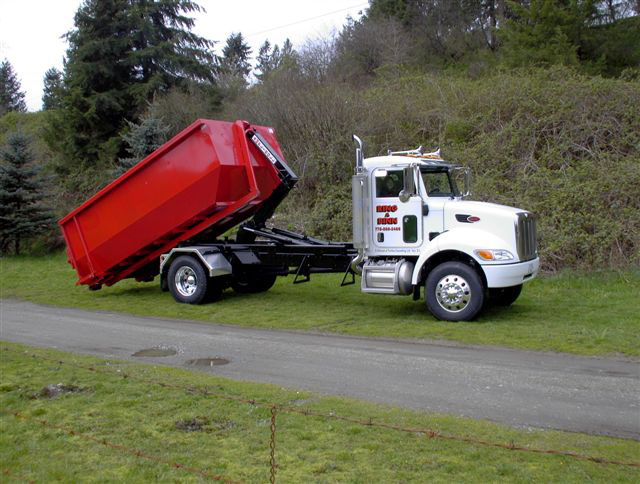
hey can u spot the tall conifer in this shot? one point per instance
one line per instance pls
(22, 214)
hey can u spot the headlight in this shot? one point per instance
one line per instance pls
(493, 254)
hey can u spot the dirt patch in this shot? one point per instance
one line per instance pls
(222, 424)
(208, 362)
(53, 391)
(156, 352)
(196, 424)
(204, 424)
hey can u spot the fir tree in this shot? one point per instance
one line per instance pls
(120, 54)
(21, 192)
(11, 98)
(52, 92)
(546, 32)
(235, 56)
(97, 76)
(264, 60)
(166, 53)
(233, 67)
(406, 11)
(142, 139)
(270, 60)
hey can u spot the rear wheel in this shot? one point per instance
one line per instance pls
(504, 296)
(188, 281)
(454, 292)
(250, 284)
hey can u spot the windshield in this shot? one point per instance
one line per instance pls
(438, 184)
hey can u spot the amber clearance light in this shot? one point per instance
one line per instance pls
(484, 254)
(493, 254)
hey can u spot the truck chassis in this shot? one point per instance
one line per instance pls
(252, 267)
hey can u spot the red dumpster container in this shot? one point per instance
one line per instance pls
(206, 177)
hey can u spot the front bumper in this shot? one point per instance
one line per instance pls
(507, 275)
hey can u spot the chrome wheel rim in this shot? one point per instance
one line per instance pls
(453, 293)
(186, 281)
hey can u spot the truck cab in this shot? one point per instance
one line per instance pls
(414, 228)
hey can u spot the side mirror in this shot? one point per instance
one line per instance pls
(467, 183)
(462, 179)
(409, 189)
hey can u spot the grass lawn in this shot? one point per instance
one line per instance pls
(119, 403)
(591, 314)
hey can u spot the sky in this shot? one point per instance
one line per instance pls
(31, 30)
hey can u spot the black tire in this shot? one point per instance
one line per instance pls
(504, 296)
(253, 284)
(188, 282)
(464, 298)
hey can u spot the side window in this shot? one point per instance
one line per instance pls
(390, 184)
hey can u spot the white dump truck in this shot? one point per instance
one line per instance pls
(412, 227)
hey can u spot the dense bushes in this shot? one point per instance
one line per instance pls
(560, 144)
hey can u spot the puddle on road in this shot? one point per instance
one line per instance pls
(156, 352)
(208, 362)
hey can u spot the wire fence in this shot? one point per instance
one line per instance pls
(124, 449)
(274, 410)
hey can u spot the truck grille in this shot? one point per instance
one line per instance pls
(526, 236)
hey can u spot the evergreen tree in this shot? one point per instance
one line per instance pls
(234, 67)
(545, 32)
(98, 80)
(11, 98)
(286, 52)
(264, 60)
(406, 11)
(21, 192)
(120, 53)
(142, 139)
(271, 59)
(235, 56)
(166, 53)
(52, 92)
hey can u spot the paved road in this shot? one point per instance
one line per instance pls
(519, 388)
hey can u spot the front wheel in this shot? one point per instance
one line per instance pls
(454, 292)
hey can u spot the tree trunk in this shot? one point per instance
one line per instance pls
(491, 13)
(612, 10)
(17, 245)
(495, 15)
(500, 12)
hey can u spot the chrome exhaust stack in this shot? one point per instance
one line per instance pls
(359, 200)
(359, 155)
(356, 261)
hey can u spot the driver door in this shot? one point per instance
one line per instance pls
(395, 224)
